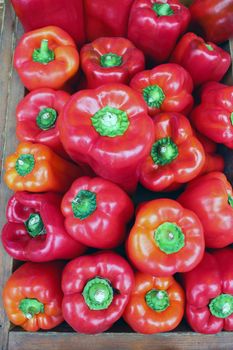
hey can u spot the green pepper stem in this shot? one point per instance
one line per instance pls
(31, 307)
(230, 201)
(221, 306)
(34, 225)
(25, 164)
(164, 151)
(98, 294)
(209, 47)
(169, 238)
(84, 204)
(231, 117)
(162, 9)
(157, 300)
(154, 96)
(110, 60)
(43, 55)
(46, 119)
(110, 122)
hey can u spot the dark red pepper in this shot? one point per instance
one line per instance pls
(110, 60)
(96, 290)
(96, 212)
(34, 14)
(209, 293)
(35, 229)
(213, 19)
(106, 18)
(36, 117)
(155, 26)
(204, 61)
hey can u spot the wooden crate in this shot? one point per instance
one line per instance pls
(120, 337)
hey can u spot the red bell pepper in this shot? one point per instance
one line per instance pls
(96, 290)
(166, 238)
(109, 129)
(176, 156)
(32, 296)
(166, 88)
(110, 60)
(209, 293)
(213, 19)
(213, 161)
(214, 116)
(36, 117)
(211, 198)
(96, 212)
(156, 304)
(106, 18)
(36, 168)
(204, 61)
(46, 58)
(35, 229)
(34, 14)
(155, 26)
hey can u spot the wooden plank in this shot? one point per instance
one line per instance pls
(122, 341)
(11, 92)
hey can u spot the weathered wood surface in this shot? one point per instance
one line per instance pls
(11, 91)
(120, 341)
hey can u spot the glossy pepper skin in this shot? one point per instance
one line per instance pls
(213, 161)
(210, 197)
(46, 58)
(205, 61)
(36, 168)
(154, 27)
(110, 60)
(108, 129)
(106, 18)
(35, 229)
(166, 88)
(36, 117)
(209, 293)
(166, 238)
(176, 156)
(96, 290)
(156, 304)
(32, 296)
(96, 212)
(34, 14)
(213, 117)
(213, 18)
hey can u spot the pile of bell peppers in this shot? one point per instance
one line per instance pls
(124, 102)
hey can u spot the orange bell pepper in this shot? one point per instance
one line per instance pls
(36, 168)
(156, 304)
